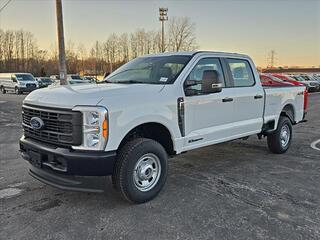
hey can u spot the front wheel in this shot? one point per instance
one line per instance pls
(279, 141)
(141, 170)
(17, 91)
(3, 90)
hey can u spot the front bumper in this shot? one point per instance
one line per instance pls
(313, 88)
(27, 89)
(66, 168)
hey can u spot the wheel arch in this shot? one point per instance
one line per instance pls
(289, 111)
(152, 130)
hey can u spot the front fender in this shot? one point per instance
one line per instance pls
(122, 122)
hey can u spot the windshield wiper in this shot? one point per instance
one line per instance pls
(129, 81)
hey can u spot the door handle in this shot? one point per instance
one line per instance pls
(227, 99)
(258, 96)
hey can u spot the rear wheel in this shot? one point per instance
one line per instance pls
(141, 170)
(279, 141)
(3, 90)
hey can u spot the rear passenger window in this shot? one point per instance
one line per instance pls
(241, 72)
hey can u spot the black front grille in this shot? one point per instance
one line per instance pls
(31, 85)
(61, 127)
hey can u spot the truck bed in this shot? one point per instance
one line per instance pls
(277, 98)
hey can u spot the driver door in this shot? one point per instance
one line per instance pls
(208, 116)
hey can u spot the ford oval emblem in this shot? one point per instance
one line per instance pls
(36, 123)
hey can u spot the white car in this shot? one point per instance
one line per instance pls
(311, 84)
(151, 108)
(17, 82)
(73, 79)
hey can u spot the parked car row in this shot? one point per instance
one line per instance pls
(311, 82)
(75, 79)
(44, 81)
(17, 82)
(26, 82)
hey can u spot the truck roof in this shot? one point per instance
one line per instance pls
(191, 53)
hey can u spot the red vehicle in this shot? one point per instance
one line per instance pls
(268, 80)
(289, 79)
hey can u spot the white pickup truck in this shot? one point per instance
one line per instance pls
(151, 108)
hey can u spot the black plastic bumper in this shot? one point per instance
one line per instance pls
(67, 182)
(27, 89)
(66, 161)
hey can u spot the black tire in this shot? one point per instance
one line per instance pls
(3, 90)
(17, 91)
(130, 155)
(276, 143)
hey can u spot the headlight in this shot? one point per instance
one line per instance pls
(95, 128)
(22, 84)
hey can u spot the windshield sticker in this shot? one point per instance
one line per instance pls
(163, 79)
(19, 78)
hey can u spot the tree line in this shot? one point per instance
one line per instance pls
(19, 51)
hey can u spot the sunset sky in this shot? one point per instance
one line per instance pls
(290, 27)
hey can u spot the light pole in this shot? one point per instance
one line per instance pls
(163, 17)
(62, 54)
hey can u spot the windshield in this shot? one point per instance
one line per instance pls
(75, 77)
(46, 80)
(24, 77)
(150, 70)
(301, 79)
(307, 78)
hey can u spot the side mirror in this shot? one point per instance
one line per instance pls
(14, 79)
(210, 86)
(216, 87)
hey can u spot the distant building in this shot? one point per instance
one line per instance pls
(291, 70)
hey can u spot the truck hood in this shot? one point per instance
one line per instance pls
(69, 96)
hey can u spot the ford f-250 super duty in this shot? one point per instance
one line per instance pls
(151, 108)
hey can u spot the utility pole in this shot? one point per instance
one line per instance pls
(272, 58)
(163, 17)
(62, 53)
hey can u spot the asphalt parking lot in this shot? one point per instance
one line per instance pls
(235, 190)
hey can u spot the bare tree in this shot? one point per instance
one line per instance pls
(1, 48)
(134, 45)
(124, 47)
(82, 52)
(155, 41)
(181, 34)
(71, 57)
(19, 50)
(111, 50)
(8, 48)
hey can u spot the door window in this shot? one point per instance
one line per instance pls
(13, 78)
(206, 68)
(241, 72)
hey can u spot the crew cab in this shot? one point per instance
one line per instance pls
(148, 110)
(17, 82)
